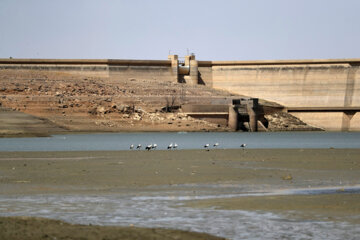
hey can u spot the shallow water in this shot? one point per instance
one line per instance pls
(227, 140)
(160, 207)
(165, 209)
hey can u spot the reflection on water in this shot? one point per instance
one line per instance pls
(165, 209)
(122, 141)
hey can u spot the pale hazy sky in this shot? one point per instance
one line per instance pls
(149, 29)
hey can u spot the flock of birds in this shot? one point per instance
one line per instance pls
(175, 146)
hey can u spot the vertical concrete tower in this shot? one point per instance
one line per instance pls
(186, 72)
(194, 73)
(174, 67)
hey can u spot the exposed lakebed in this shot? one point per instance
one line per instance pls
(233, 193)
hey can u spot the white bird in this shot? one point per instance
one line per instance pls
(170, 146)
(216, 144)
(154, 146)
(175, 145)
(132, 146)
(138, 146)
(206, 146)
(148, 147)
(243, 145)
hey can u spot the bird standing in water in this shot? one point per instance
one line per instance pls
(206, 146)
(170, 146)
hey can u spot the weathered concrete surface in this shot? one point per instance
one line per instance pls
(296, 83)
(123, 73)
(118, 70)
(332, 120)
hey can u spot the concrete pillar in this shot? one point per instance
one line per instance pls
(187, 60)
(233, 120)
(194, 72)
(173, 57)
(252, 118)
(174, 66)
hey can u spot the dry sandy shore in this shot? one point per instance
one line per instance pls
(259, 170)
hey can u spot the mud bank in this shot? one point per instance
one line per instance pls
(52, 172)
(41, 228)
(196, 179)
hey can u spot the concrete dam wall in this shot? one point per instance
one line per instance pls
(109, 69)
(324, 93)
(295, 85)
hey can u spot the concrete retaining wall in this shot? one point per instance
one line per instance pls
(205, 108)
(333, 121)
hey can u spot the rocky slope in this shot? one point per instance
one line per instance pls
(89, 103)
